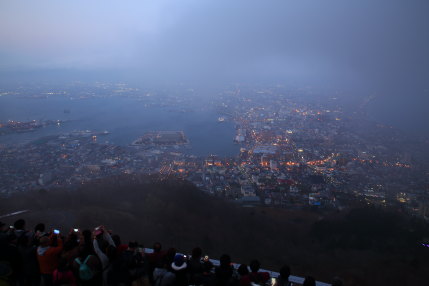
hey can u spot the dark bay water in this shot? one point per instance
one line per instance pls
(125, 118)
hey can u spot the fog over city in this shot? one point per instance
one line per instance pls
(368, 47)
(287, 135)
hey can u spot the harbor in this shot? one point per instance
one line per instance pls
(162, 138)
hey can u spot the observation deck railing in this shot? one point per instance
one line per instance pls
(294, 279)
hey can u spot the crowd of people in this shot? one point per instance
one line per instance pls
(98, 257)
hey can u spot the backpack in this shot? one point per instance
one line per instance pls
(85, 273)
(132, 264)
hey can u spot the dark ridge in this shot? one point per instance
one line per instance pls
(365, 246)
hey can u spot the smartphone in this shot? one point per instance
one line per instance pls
(56, 231)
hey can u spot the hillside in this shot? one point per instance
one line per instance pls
(363, 246)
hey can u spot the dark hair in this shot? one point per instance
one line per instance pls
(63, 265)
(133, 244)
(84, 251)
(40, 227)
(207, 266)
(337, 281)
(309, 281)
(72, 237)
(87, 247)
(87, 236)
(70, 244)
(225, 260)
(196, 253)
(254, 265)
(116, 239)
(111, 253)
(171, 252)
(243, 270)
(19, 224)
(285, 271)
(157, 247)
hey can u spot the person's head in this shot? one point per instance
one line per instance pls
(254, 265)
(103, 244)
(40, 227)
(73, 236)
(225, 260)
(157, 247)
(111, 252)
(171, 252)
(285, 271)
(63, 264)
(132, 245)
(179, 262)
(84, 251)
(87, 236)
(243, 270)
(207, 266)
(309, 281)
(337, 281)
(19, 224)
(196, 253)
(116, 239)
(3, 227)
(12, 238)
(70, 244)
(44, 241)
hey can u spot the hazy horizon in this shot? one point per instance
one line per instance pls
(369, 48)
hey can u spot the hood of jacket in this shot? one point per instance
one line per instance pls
(41, 250)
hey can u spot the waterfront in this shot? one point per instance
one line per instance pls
(125, 118)
(295, 153)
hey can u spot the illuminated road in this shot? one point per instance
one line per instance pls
(14, 213)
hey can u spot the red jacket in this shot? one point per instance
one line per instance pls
(48, 257)
(259, 277)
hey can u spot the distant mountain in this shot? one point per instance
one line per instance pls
(364, 246)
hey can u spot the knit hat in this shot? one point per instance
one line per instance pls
(98, 231)
(179, 262)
